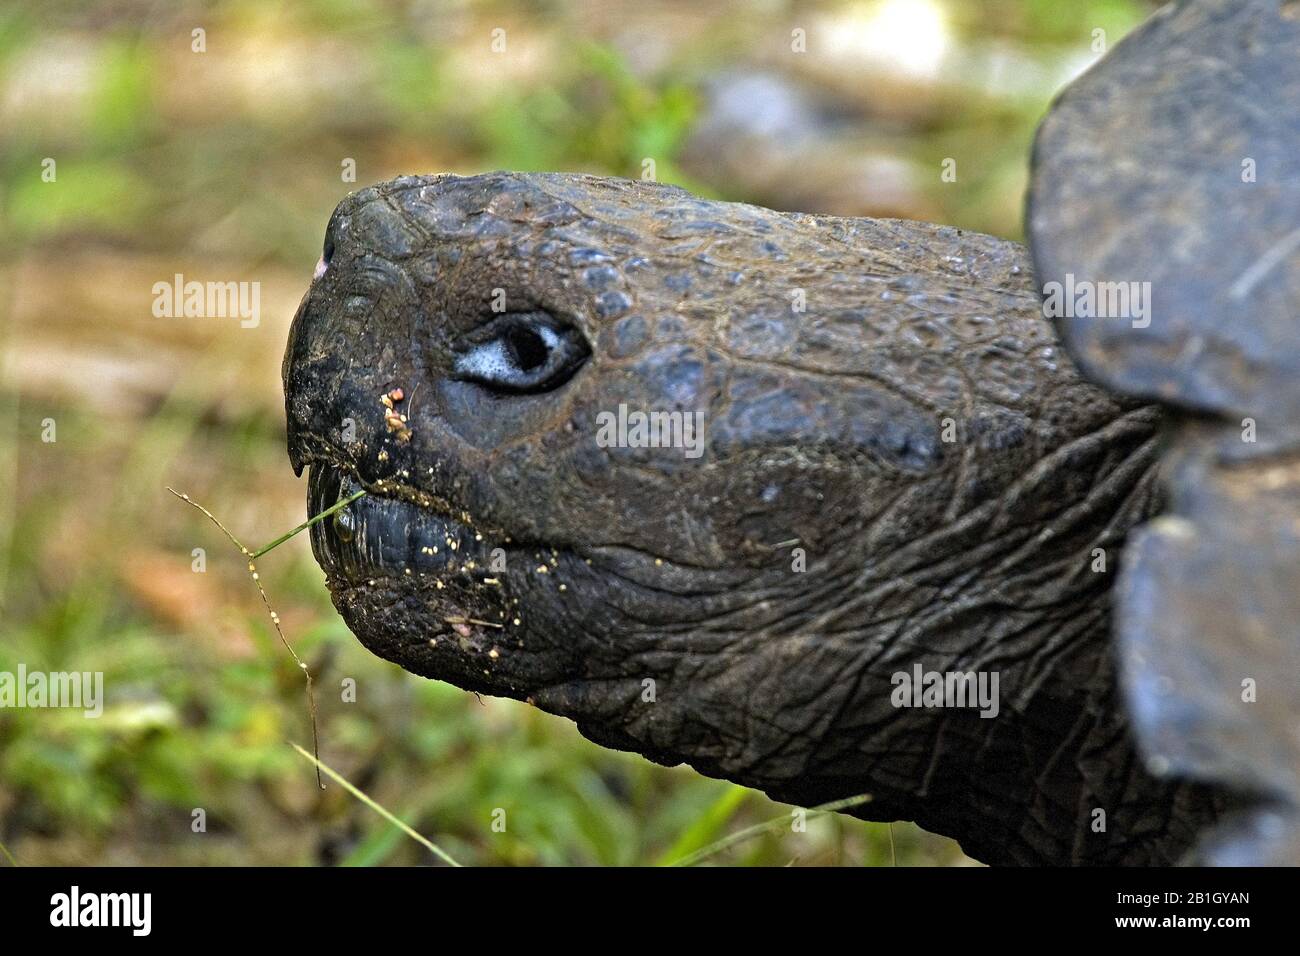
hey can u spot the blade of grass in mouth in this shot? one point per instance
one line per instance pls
(340, 504)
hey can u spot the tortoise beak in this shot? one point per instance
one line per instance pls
(379, 535)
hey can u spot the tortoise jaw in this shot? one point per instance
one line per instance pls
(418, 588)
(381, 536)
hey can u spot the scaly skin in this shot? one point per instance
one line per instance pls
(916, 434)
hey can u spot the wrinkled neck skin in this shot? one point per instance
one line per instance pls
(899, 471)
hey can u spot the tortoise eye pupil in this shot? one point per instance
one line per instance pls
(527, 347)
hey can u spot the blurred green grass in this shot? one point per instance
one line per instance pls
(164, 157)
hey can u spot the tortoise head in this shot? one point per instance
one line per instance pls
(678, 468)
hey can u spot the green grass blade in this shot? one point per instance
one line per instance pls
(706, 829)
(760, 828)
(346, 785)
(343, 503)
(375, 848)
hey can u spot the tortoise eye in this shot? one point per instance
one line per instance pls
(523, 353)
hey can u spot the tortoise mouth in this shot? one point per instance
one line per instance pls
(415, 585)
(379, 536)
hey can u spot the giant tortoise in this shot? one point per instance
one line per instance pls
(1006, 538)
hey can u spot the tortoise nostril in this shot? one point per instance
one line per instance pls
(527, 347)
(329, 250)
